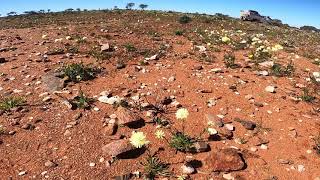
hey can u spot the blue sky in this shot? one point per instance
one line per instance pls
(293, 12)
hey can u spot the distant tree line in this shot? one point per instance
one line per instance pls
(129, 6)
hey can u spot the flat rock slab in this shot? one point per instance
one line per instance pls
(224, 160)
(52, 83)
(126, 117)
(117, 147)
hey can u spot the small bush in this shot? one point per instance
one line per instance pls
(181, 142)
(130, 47)
(153, 167)
(179, 33)
(280, 71)
(11, 102)
(81, 101)
(78, 72)
(185, 19)
(229, 61)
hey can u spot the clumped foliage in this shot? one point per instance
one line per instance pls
(316, 146)
(185, 19)
(11, 102)
(181, 142)
(229, 61)
(79, 72)
(306, 95)
(130, 47)
(179, 32)
(154, 167)
(280, 71)
(81, 101)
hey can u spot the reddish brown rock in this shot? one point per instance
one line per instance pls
(224, 160)
(117, 147)
(125, 116)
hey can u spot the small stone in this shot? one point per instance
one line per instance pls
(258, 104)
(50, 164)
(187, 169)
(154, 57)
(171, 79)
(224, 160)
(263, 146)
(284, 161)
(92, 164)
(67, 104)
(67, 133)
(263, 73)
(216, 70)
(228, 176)
(230, 127)
(301, 168)
(22, 173)
(253, 149)
(125, 116)
(111, 100)
(117, 147)
(270, 89)
(105, 47)
(200, 146)
(46, 99)
(110, 129)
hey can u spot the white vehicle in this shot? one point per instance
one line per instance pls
(251, 15)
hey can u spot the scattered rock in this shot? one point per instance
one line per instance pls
(154, 57)
(125, 116)
(200, 147)
(230, 127)
(270, 89)
(28, 126)
(224, 160)
(249, 125)
(187, 169)
(117, 147)
(22, 173)
(284, 161)
(52, 83)
(110, 129)
(111, 100)
(50, 164)
(106, 47)
(301, 168)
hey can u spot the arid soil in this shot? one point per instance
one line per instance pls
(45, 139)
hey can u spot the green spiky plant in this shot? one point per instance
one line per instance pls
(11, 102)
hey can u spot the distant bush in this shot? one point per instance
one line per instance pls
(185, 19)
(309, 28)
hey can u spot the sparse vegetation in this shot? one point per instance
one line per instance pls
(185, 19)
(316, 146)
(81, 101)
(181, 142)
(8, 103)
(280, 71)
(179, 32)
(229, 61)
(306, 96)
(130, 47)
(77, 72)
(154, 167)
